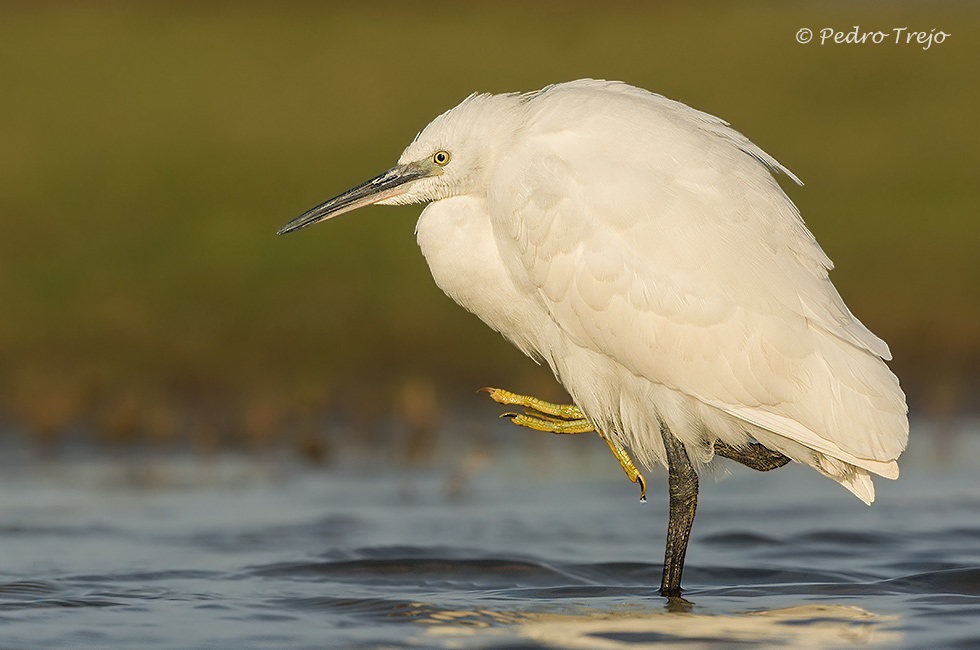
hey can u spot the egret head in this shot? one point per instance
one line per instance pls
(450, 157)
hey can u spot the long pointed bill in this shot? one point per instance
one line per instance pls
(389, 184)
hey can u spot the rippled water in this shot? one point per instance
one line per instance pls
(542, 547)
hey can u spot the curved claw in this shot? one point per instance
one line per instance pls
(643, 488)
(501, 396)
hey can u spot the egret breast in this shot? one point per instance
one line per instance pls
(457, 241)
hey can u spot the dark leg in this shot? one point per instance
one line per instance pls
(755, 456)
(683, 482)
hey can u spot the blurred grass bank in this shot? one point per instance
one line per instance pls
(149, 151)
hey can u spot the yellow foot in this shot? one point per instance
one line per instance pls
(562, 418)
(563, 411)
(627, 464)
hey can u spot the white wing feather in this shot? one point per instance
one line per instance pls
(695, 274)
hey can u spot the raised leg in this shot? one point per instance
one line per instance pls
(683, 483)
(563, 418)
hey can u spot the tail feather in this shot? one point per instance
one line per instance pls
(853, 477)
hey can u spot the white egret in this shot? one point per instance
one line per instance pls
(644, 251)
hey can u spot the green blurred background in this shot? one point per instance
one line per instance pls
(149, 152)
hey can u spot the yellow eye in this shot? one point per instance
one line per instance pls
(440, 158)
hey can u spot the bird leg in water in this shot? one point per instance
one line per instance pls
(681, 476)
(754, 456)
(683, 483)
(563, 418)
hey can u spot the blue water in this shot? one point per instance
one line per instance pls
(543, 545)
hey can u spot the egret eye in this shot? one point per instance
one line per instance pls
(440, 158)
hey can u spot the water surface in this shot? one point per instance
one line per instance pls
(542, 547)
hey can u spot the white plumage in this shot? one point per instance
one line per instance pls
(644, 251)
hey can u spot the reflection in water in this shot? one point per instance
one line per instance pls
(805, 626)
